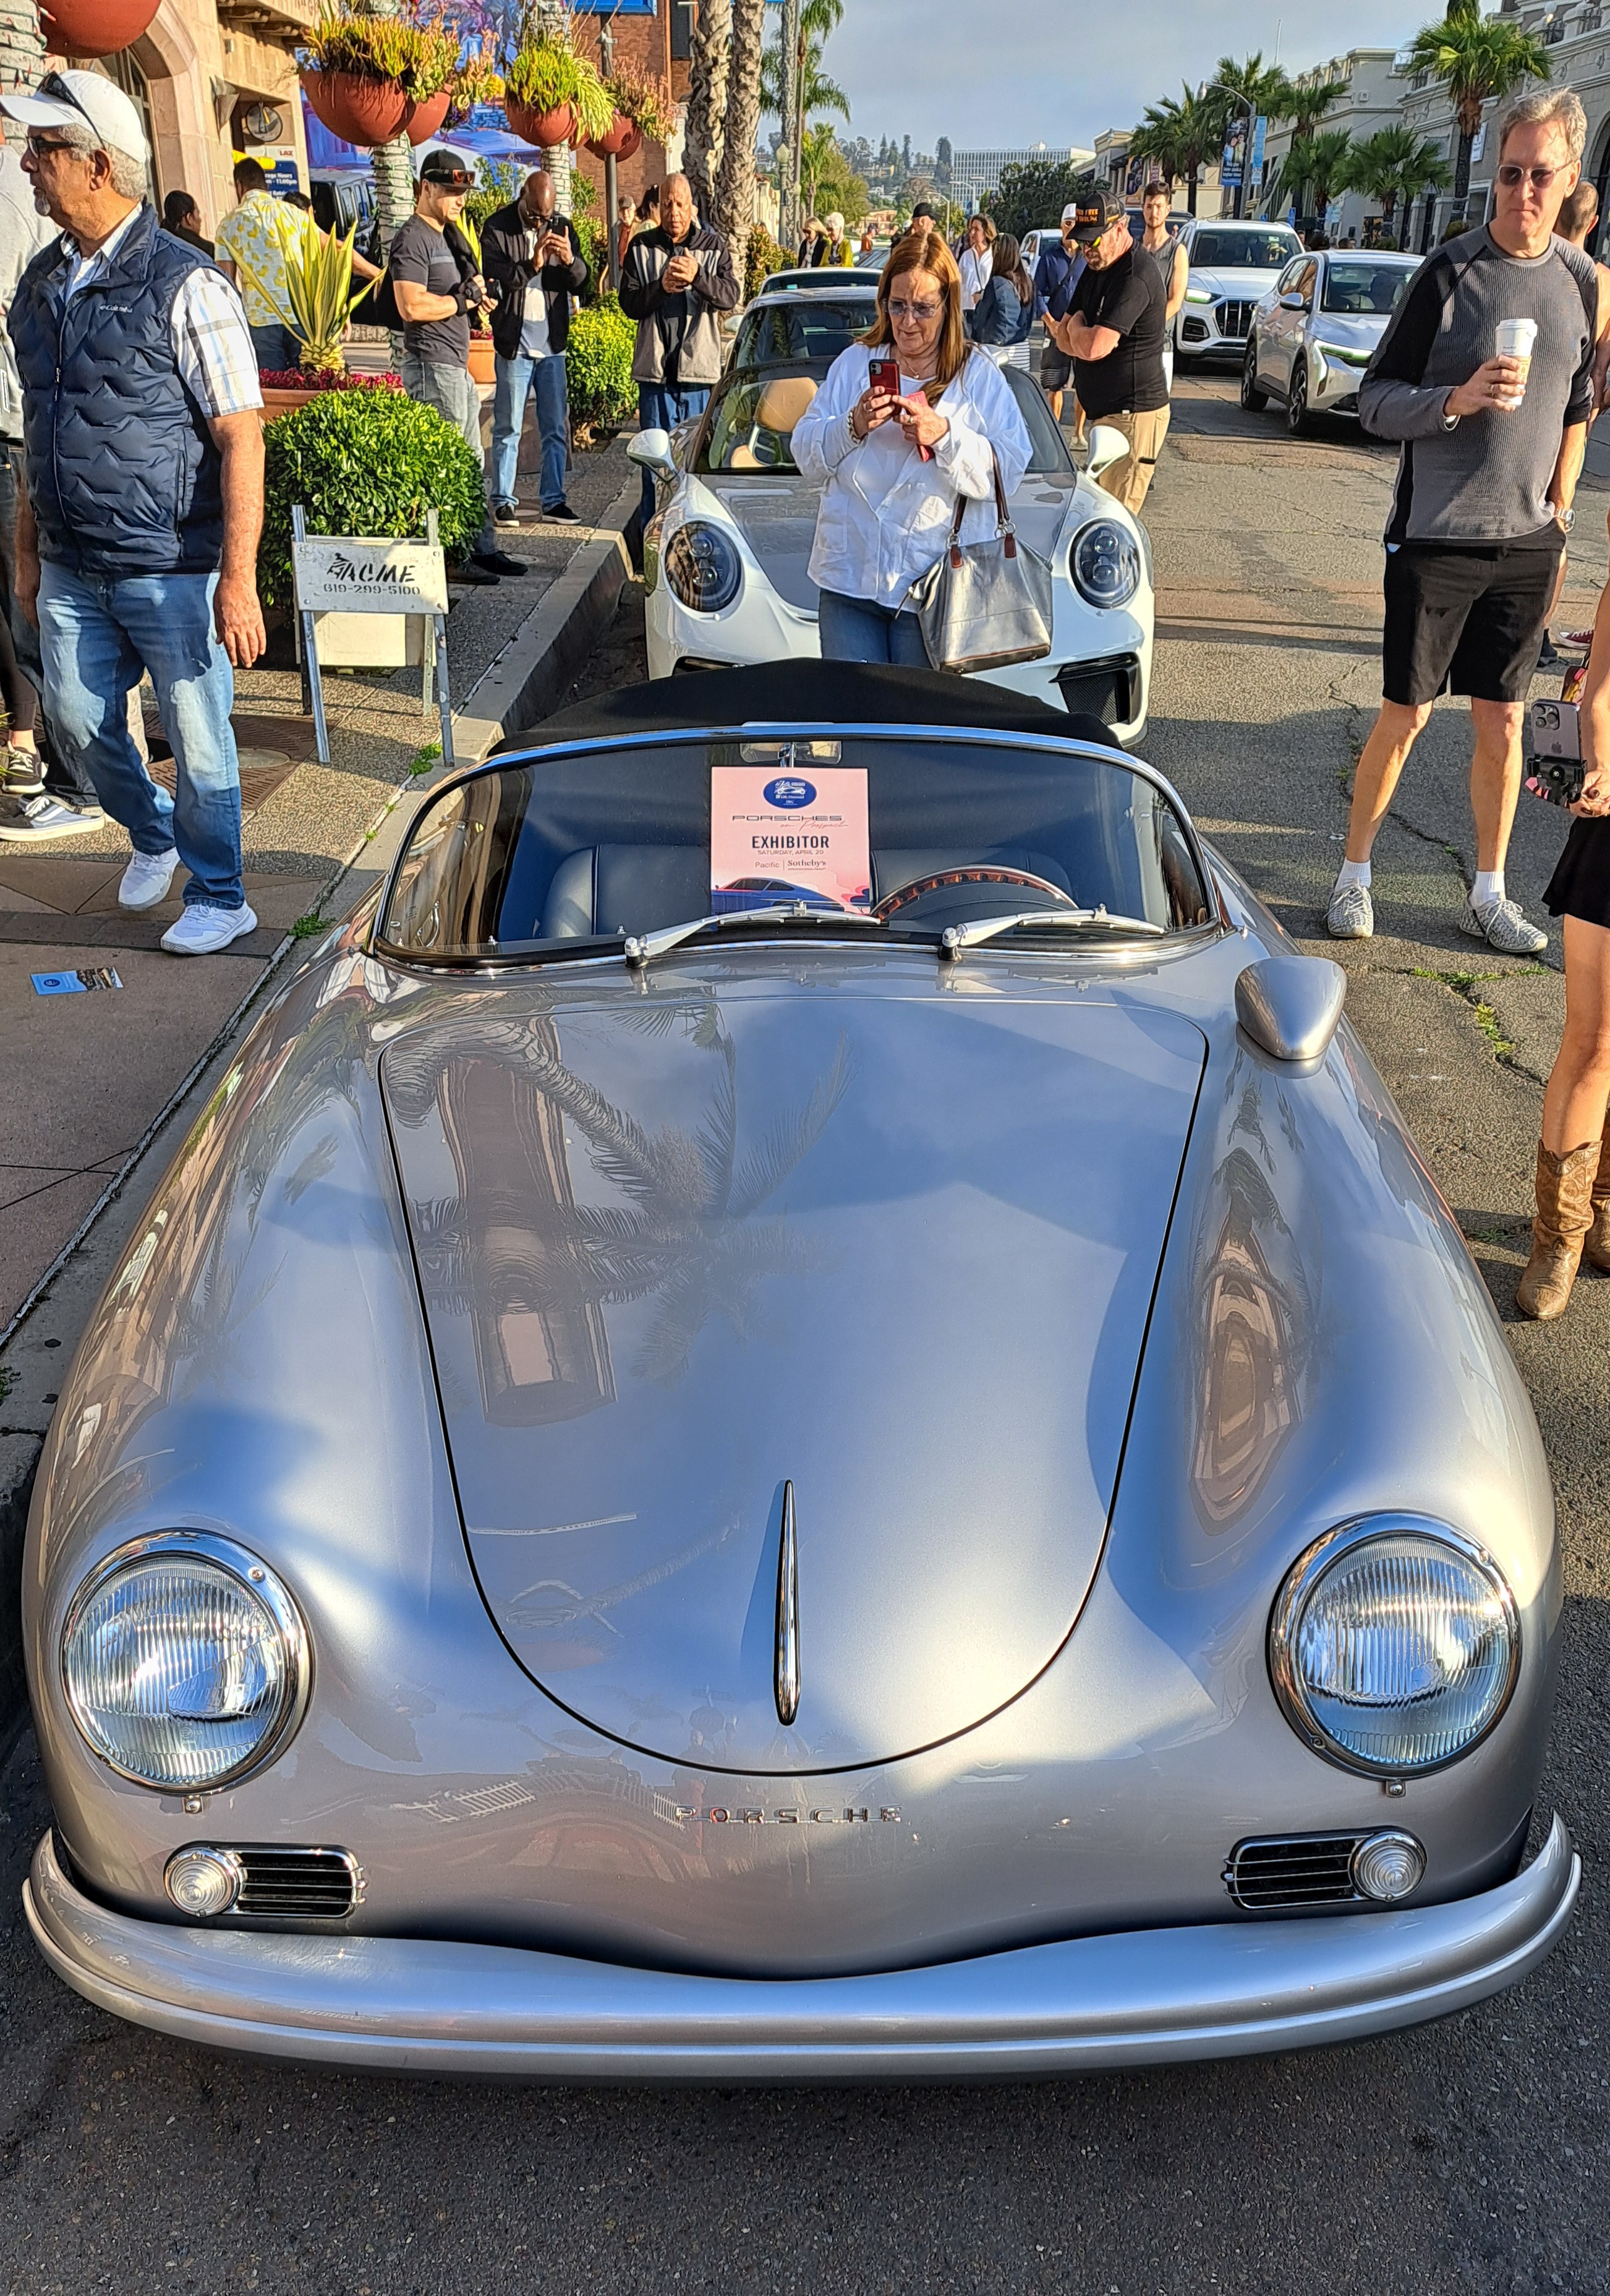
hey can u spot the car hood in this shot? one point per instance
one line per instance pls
(679, 1251)
(1239, 285)
(777, 518)
(1347, 330)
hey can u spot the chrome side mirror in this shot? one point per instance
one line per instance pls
(1293, 303)
(651, 451)
(1288, 1007)
(1107, 445)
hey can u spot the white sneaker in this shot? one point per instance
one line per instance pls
(1351, 915)
(1502, 925)
(146, 880)
(201, 928)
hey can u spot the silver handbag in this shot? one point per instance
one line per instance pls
(983, 604)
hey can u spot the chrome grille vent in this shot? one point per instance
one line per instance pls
(301, 1885)
(1292, 1869)
(1234, 319)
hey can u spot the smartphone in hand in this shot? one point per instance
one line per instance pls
(885, 376)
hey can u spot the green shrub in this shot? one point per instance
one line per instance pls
(365, 462)
(763, 258)
(598, 363)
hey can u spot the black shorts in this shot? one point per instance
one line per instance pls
(1467, 621)
(1056, 367)
(1580, 886)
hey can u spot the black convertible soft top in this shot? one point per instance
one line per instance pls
(808, 692)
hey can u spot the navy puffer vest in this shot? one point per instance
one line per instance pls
(122, 471)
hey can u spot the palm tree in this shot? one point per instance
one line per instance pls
(817, 92)
(1314, 168)
(1395, 164)
(733, 209)
(1479, 59)
(1179, 137)
(704, 135)
(1306, 107)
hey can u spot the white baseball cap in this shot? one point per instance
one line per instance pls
(1070, 211)
(82, 99)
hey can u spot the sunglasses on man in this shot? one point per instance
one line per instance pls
(1511, 174)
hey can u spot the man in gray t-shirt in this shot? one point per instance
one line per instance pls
(435, 296)
(1492, 447)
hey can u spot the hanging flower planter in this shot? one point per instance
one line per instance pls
(361, 111)
(543, 130)
(623, 141)
(426, 118)
(95, 28)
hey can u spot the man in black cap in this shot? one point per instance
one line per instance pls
(436, 287)
(1114, 332)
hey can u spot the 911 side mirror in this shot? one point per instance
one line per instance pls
(651, 451)
(1288, 1007)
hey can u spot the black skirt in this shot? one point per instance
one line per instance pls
(1580, 886)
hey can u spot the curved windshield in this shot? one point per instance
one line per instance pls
(1365, 290)
(904, 833)
(1244, 251)
(753, 409)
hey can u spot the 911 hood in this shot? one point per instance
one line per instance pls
(888, 1259)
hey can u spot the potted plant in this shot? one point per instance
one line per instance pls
(95, 28)
(367, 77)
(643, 110)
(598, 370)
(283, 392)
(318, 298)
(552, 96)
(479, 83)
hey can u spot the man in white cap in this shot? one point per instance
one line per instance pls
(143, 497)
(1057, 274)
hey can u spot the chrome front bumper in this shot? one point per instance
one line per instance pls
(1149, 1997)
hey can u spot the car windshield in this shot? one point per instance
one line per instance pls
(757, 404)
(1365, 290)
(1244, 251)
(899, 832)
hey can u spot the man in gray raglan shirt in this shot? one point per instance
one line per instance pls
(1492, 450)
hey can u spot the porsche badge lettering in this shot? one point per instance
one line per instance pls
(722, 1816)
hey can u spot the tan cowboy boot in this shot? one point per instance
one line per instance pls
(1564, 1214)
(1596, 1250)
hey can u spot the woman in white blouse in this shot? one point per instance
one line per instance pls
(887, 508)
(978, 259)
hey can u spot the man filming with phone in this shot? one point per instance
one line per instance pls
(534, 263)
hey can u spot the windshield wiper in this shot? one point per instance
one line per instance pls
(642, 948)
(954, 938)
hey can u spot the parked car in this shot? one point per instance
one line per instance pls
(1315, 332)
(1230, 267)
(804, 1493)
(725, 559)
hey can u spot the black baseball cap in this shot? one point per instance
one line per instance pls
(444, 167)
(1098, 212)
(922, 210)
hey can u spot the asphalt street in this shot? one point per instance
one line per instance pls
(1466, 2156)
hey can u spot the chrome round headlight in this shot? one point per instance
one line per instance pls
(702, 567)
(1104, 563)
(184, 1662)
(1394, 1645)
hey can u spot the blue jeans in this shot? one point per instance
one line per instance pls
(97, 637)
(277, 349)
(515, 378)
(857, 629)
(64, 777)
(456, 397)
(661, 407)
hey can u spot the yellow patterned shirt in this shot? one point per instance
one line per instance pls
(255, 239)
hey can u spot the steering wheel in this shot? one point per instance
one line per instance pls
(982, 872)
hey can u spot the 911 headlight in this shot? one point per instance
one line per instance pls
(1104, 563)
(184, 1662)
(702, 567)
(1394, 1645)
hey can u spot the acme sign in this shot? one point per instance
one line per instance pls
(341, 574)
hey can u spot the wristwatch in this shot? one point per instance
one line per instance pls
(1565, 519)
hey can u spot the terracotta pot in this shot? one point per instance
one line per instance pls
(366, 112)
(427, 117)
(284, 402)
(95, 28)
(482, 358)
(543, 130)
(624, 139)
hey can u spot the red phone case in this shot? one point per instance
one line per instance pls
(886, 376)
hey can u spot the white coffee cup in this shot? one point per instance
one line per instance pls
(1516, 339)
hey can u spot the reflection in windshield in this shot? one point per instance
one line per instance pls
(1365, 291)
(1243, 250)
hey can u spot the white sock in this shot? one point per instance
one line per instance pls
(1488, 886)
(1354, 872)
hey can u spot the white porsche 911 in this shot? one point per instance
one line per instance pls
(726, 557)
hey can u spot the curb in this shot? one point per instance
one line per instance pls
(518, 687)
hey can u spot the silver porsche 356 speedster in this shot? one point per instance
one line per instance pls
(801, 1412)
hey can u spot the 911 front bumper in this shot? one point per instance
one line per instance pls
(1149, 1997)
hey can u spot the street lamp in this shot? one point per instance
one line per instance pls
(1217, 88)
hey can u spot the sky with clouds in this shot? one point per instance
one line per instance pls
(1018, 72)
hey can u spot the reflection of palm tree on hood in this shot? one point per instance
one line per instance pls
(687, 1230)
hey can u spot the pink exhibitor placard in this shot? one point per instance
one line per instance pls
(793, 834)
